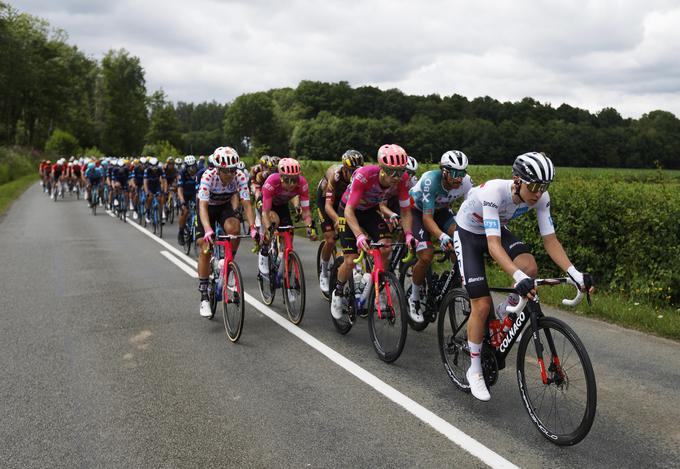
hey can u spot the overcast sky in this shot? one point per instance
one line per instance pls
(590, 54)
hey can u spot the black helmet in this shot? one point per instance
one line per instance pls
(352, 159)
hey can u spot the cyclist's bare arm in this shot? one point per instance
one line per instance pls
(556, 252)
(248, 209)
(330, 210)
(203, 215)
(351, 221)
(500, 256)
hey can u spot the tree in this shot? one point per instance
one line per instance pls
(252, 121)
(163, 123)
(62, 143)
(124, 114)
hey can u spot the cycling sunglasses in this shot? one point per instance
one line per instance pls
(394, 173)
(537, 186)
(228, 170)
(290, 179)
(458, 173)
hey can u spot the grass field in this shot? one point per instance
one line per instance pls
(11, 190)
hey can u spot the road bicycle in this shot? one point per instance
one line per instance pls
(170, 206)
(226, 285)
(560, 394)
(190, 228)
(121, 208)
(436, 286)
(155, 216)
(291, 279)
(384, 301)
(326, 295)
(94, 198)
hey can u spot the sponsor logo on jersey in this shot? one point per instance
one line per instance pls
(486, 203)
(475, 279)
(491, 223)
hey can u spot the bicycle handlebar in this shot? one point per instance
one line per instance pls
(374, 245)
(550, 281)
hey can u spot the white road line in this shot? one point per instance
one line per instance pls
(455, 435)
(191, 272)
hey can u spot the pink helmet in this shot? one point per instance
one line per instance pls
(225, 157)
(392, 156)
(289, 167)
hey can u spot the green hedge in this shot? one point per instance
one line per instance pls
(17, 162)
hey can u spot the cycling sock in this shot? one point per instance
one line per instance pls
(415, 292)
(203, 286)
(475, 357)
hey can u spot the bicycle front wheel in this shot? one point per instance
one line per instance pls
(267, 283)
(233, 303)
(344, 324)
(452, 336)
(563, 405)
(388, 329)
(294, 289)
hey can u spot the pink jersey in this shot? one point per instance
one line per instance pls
(365, 191)
(273, 192)
(214, 192)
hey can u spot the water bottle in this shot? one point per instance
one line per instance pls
(507, 324)
(366, 279)
(356, 272)
(502, 309)
(495, 333)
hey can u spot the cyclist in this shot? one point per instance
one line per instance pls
(328, 194)
(432, 216)
(201, 162)
(170, 181)
(361, 222)
(94, 175)
(186, 191)
(120, 174)
(153, 180)
(279, 189)
(58, 173)
(218, 187)
(136, 181)
(482, 227)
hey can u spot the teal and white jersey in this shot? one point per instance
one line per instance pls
(429, 193)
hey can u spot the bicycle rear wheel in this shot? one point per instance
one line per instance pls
(344, 324)
(452, 336)
(171, 210)
(405, 275)
(233, 304)
(388, 333)
(294, 289)
(563, 409)
(159, 220)
(188, 238)
(324, 295)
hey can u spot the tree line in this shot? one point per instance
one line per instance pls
(53, 96)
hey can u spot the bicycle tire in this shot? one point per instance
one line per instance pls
(233, 317)
(171, 211)
(388, 352)
(266, 284)
(298, 280)
(188, 240)
(554, 326)
(454, 351)
(344, 324)
(159, 220)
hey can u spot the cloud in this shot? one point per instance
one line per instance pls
(590, 54)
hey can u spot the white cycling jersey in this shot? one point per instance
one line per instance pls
(489, 206)
(214, 192)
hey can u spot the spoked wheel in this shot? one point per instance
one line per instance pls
(188, 240)
(294, 288)
(212, 297)
(267, 285)
(233, 304)
(325, 295)
(171, 211)
(388, 331)
(452, 335)
(344, 324)
(563, 409)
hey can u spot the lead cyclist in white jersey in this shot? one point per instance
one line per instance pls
(482, 227)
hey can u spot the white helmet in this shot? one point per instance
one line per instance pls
(534, 167)
(120, 162)
(412, 165)
(453, 159)
(178, 161)
(153, 161)
(190, 160)
(241, 165)
(225, 157)
(143, 160)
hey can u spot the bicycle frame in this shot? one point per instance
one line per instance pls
(378, 269)
(285, 232)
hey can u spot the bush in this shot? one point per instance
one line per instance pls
(16, 163)
(62, 143)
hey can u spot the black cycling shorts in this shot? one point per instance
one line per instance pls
(470, 249)
(444, 218)
(371, 220)
(216, 213)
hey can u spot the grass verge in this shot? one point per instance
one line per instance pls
(11, 190)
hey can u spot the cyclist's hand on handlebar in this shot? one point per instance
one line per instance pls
(445, 242)
(584, 281)
(362, 242)
(525, 288)
(410, 240)
(254, 233)
(311, 232)
(394, 220)
(207, 238)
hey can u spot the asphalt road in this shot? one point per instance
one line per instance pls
(107, 363)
